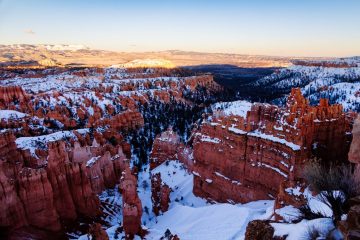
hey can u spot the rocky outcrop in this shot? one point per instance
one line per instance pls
(168, 146)
(290, 193)
(97, 232)
(160, 194)
(123, 121)
(132, 207)
(169, 236)
(259, 230)
(351, 226)
(12, 94)
(36, 194)
(12, 214)
(165, 148)
(354, 153)
(58, 185)
(244, 151)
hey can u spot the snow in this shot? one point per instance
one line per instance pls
(205, 138)
(191, 217)
(272, 168)
(236, 130)
(288, 213)
(92, 161)
(339, 84)
(294, 191)
(219, 221)
(220, 175)
(208, 180)
(302, 229)
(237, 108)
(40, 142)
(272, 138)
(11, 114)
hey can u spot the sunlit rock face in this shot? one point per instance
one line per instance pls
(243, 151)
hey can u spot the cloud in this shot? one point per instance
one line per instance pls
(29, 31)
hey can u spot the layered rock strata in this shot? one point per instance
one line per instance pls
(243, 151)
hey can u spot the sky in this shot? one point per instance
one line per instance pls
(262, 27)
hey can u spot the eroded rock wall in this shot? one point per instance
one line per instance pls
(245, 156)
(61, 185)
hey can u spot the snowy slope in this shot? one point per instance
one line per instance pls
(339, 84)
(11, 114)
(191, 217)
(238, 108)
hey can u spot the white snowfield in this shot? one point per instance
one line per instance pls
(237, 108)
(11, 114)
(191, 217)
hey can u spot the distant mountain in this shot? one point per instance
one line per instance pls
(79, 55)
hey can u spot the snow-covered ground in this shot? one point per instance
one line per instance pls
(11, 114)
(237, 108)
(338, 84)
(191, 217)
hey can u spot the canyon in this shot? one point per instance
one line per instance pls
(130, 151)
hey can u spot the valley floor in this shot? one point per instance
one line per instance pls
(191, 217)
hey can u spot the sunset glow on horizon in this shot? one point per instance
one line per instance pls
(279, 28)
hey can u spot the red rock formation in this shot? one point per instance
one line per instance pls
(36, 194)
(168, 146)
(97, 233)
(62, 181)
(351, 226)
(123, 121)
(132, 207)
(290, 193)
(354, 153)
(42, 195)
(259, 230)
(12, 214)
(243, 159)
(160, 194)
(165, 148)
(10, 94)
